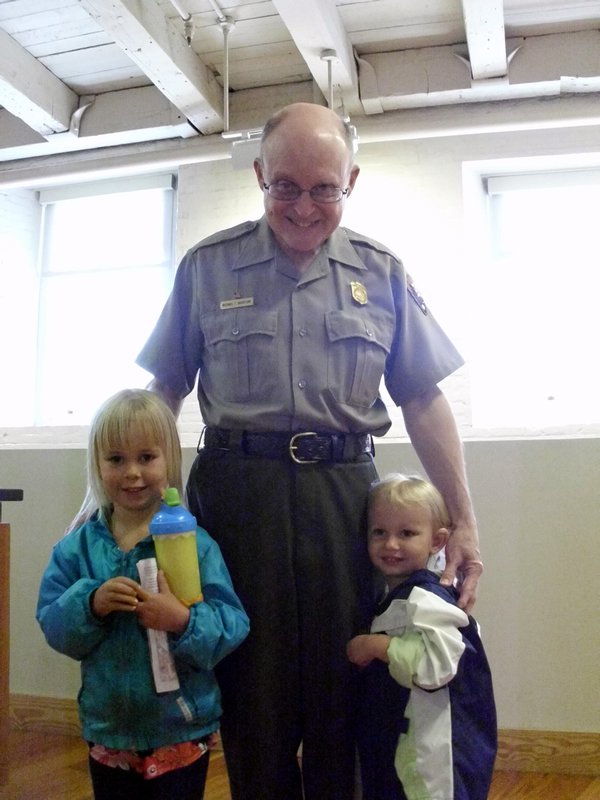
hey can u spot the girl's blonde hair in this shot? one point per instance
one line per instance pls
(411, 490)
(130, 411)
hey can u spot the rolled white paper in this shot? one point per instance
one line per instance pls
(163, 664)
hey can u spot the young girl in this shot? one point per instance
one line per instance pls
(91, 607)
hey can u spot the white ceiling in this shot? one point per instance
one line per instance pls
(80, 74)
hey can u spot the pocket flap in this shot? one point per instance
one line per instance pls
(342, 325)
(228, 326)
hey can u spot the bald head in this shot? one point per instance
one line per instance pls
(304, 147)
(307, 120)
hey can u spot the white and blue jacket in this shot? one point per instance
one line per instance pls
(427, 720)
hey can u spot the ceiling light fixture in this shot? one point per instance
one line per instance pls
(329, 56)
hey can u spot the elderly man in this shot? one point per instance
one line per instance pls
(289, 324)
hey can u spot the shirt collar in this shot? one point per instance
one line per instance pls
(261, 247)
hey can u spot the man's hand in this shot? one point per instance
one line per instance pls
(463, 562)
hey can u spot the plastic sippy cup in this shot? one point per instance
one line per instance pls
(173, 529)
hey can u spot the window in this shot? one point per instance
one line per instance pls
(534, 362)
(103, 276)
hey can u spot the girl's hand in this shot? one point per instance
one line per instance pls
(116, 594)
(162, 611)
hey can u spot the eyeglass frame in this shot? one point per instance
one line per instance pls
(343, 192)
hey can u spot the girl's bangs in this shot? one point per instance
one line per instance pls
(118, 433)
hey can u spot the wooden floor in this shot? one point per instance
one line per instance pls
(52, 767)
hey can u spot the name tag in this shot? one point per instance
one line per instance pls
(237, 302)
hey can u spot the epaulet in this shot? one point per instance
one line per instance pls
(362, 240)
(227, 235)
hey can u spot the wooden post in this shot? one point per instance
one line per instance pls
(4, 649)
(5, 494)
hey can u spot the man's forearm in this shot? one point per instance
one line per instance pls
(171, 398)
(432, 430)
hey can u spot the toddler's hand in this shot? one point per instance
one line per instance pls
(116, 594)
(364, 648)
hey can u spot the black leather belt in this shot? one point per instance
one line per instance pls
(303, 447)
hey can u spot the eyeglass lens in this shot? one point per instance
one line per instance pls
(286, 190)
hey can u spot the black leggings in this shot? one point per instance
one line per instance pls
(113, 783)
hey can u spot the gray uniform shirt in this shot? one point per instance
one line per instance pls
(274, 352)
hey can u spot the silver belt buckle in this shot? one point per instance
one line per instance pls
(292, 446)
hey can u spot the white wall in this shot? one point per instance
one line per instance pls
(539, 522)
(536, 500)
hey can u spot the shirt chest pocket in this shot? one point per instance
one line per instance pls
(240, 358)
(358, 346)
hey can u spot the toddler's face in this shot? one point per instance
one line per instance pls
(401, 539)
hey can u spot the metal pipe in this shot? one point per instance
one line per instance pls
(218, 11)
(226, 25)
(185, 15)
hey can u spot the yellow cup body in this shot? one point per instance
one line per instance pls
(177, 556)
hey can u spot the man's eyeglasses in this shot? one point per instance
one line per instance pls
(288, 192)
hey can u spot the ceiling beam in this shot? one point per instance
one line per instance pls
(547, 114)
(543, 66)
(303, 20)
(31, 92)
(484, 26)
(105, 120)
(141, 115)
(160, 50)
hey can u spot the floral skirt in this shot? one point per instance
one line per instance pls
(150, 763)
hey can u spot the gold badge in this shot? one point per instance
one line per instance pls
(359, 293)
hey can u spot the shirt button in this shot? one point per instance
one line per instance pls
(369, 332)
(302, 384)
(302, 332)
(235, 331)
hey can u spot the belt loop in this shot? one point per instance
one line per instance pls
(349, 447)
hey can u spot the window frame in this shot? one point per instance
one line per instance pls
(75, 434)
(512, 174)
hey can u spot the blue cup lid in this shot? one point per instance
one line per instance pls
(172, 517)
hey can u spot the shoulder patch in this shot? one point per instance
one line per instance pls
(412, 290)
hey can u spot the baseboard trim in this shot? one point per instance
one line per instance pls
(47, 714)
(562, 752)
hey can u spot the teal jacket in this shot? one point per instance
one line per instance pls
(118, 704)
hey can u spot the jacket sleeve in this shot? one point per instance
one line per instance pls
(63, 609)
(218, 624)
(427, 654)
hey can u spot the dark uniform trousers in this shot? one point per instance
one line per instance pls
(294, 539)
